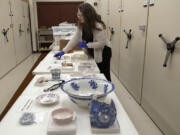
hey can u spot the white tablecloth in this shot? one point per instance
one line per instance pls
(10, 124)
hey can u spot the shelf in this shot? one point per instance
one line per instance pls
(45, 32)
(42, 49)
(46, 41)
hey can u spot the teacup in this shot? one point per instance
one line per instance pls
(55, 73)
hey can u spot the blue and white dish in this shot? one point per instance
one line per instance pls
(56, 73)
(102, 115)
(81, 90)
(27, 119)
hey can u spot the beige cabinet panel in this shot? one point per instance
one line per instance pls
(161, 90)
(19, 30)
(7, 51)
(114, 26)
(27, 27)
(132, 58)
(103, 6)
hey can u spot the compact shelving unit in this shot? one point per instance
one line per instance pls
(45, 39)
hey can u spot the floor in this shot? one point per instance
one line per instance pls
(10, 83)
(142, 122)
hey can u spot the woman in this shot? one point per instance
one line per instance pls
(91, 30)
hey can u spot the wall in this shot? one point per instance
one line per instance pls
(60, 10)
(34, 22)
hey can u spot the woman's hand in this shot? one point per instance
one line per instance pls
(82, 45)
(59, 54)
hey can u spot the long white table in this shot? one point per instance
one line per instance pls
(27, 103)
(10, 124)
(49, 61)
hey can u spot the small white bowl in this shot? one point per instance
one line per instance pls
(63, 115)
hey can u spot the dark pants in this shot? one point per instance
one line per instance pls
(104, 66)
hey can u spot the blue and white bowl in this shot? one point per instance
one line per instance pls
(82, 90)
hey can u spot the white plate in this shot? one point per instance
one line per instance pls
(47, 99)
(41, 81)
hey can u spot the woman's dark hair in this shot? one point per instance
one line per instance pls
(90, 17)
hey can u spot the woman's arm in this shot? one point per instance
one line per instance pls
(74, 41)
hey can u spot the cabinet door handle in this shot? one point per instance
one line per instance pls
(11, 14)
(170, 46)
(28, 28)
(129, 36)
(112, 32)
(20, 29)
(4, 32)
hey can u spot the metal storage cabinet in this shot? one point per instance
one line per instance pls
(19, 30)
(132, 58)
(161, 90)
(27, 28)
(7, 51)
(114, 33)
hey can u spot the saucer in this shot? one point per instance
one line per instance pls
(41, 81)
(47, 99)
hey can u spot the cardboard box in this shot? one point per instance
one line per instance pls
(63, 43)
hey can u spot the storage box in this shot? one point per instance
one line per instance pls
(63, 43)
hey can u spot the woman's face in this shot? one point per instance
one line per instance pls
(80, 16)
